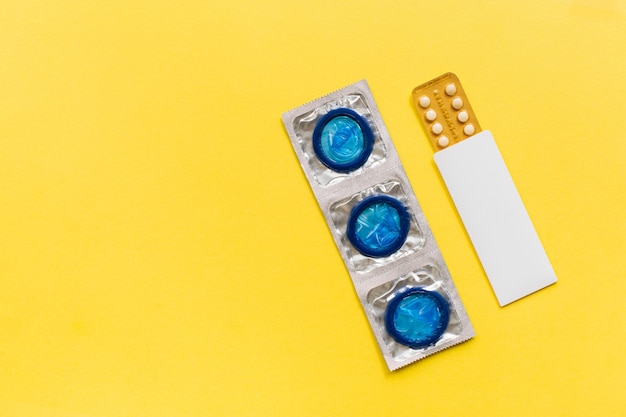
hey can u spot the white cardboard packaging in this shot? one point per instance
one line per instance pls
(495, 217)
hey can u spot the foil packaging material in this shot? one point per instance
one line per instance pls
(378, 279)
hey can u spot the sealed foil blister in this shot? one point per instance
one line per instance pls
(397, 270)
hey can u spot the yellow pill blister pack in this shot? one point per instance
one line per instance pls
(445, 111)
(483, 191)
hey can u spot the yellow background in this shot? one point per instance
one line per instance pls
(161, 253)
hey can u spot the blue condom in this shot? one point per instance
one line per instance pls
(378, 226)
(343, 140)
(417, 318)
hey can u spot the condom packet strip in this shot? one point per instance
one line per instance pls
(378, 226)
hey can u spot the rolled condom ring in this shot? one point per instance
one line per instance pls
(378, 226)
(417, 317)
(343, 140)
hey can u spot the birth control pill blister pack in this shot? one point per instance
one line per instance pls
(397, 270)
(483, 191)
(445, 110)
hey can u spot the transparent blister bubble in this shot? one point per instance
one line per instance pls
(321, 168)
(427, 278)
(343, 212)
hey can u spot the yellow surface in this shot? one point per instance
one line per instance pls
(161, 253)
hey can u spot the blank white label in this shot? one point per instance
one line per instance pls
(495, 217)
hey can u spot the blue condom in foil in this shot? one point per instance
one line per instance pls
(343, 140)
(416, 317)
(378, 226)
